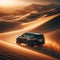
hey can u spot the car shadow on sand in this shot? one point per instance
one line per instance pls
(44, 50)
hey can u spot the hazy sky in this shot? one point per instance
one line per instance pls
(43, 1)
(10, 3)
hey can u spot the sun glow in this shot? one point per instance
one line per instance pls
(7, 3)
(12, 3)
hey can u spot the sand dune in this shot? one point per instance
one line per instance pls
(54, 47)
(9, 21)
(48, 24)
(15, 52)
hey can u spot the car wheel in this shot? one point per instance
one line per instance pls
(30, 44)
(18, 41)
(39, 45)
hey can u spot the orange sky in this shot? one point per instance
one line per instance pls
(10, 3)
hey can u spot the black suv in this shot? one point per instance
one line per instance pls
(31, 39)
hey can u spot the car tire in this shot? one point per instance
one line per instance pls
(30, 44)
(18, 41)
(39, 45)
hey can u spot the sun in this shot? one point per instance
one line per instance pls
(7, 3)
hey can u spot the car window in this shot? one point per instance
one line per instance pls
(28, 35)
(39, 36)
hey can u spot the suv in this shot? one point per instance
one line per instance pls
(31, 39)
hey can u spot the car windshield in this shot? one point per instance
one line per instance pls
(39, 36)
(28, 35)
